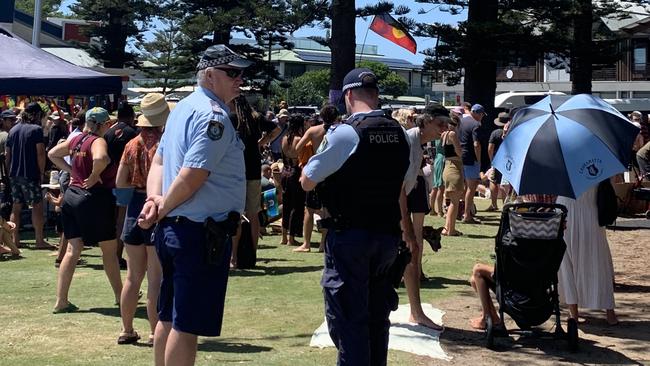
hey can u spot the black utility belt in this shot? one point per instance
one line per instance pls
(343, 224)
(179, 220)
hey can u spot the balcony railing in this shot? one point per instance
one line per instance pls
(519, 73)
(604, 74)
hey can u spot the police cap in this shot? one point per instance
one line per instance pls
(360, 78)
(218, 55)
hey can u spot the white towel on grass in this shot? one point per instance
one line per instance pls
(404, 336)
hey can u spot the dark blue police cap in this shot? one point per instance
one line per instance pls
(8, 114)
(218, 55)
(359, 78)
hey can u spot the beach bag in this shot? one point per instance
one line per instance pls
(607, 203)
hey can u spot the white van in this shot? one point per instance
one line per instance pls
(520, 99)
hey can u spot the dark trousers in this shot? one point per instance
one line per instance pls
(358, 294)
(644, 166)
(293, 201)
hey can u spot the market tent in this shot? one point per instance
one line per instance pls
(27, 70)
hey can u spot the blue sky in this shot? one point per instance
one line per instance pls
(385, 47)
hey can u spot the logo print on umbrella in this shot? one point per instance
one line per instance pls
(591, 168)
(509, 164)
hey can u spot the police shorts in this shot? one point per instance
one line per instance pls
(417, 200)
(89, 214)
(313, 201)
(192, 292)
(253, 194)
(26, 191)
(133, 234)
(472, 172)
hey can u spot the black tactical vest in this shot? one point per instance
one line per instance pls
(364, 192)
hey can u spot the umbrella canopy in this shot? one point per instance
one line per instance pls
(564, 145)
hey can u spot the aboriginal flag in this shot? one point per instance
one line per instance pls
(389, 28)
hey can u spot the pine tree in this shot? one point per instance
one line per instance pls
(50, 8)
(119, 22)
(167, 60)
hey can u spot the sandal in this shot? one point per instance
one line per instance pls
(150, 341)
(128, 338)
(70, 308)
(491, 209)
(454, 233)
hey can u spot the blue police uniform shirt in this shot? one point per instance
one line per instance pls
(199, 134)
(339, 143)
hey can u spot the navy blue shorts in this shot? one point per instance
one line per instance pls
(132, 233)
(192, 292)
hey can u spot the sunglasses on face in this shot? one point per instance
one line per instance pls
(231, 73)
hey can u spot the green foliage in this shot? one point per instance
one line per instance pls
(119, 23)
(50, 8)
(389, 82)
(310, 88)
(164, 52)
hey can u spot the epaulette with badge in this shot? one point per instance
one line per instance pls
(215, 128)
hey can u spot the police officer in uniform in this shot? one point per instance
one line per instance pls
(361, 200)
(196, 189)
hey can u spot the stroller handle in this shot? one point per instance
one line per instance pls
(529, 205)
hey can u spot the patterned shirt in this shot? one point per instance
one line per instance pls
(138, 155)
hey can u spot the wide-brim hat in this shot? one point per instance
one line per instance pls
(154, 109)
(502, 119)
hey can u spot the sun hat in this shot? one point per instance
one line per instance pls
(155, 111)
(502, 119)
(283, 113)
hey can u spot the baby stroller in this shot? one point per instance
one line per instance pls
(529, 249)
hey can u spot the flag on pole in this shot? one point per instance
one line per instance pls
(389, 28)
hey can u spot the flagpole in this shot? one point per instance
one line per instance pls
(363, 45)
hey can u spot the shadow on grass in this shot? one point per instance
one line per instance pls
(460, 340)
(140, 313)
(626, 288)
(477, 236)
(274, 271)
(442, 282)
(231, 347)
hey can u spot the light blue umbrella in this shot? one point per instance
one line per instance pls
(563, 145)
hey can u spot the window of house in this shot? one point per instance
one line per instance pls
(427, 80)
(640, 58)
(294, 70)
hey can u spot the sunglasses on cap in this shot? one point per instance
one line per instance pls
(231, 73)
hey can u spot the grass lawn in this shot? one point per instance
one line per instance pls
(270, 314)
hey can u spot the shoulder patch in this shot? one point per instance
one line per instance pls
(215, 130)
(216, 108)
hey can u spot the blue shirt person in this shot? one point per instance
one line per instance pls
(197, 176)
(361, 209)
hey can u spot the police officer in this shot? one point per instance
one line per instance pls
(360, 168)
(195, 183)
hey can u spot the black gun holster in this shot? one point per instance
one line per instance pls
(217, 235)
(396, 271)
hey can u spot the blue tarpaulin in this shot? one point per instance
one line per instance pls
(27, 70)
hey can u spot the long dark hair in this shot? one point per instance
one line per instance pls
(295, 127)
(246, 117)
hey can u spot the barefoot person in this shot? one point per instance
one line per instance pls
(293, 196)
(312, 139)
(482, 282)
(428, 128)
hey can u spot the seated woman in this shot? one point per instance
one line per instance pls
(482, 281)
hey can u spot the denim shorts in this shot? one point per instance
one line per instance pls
(472, 171)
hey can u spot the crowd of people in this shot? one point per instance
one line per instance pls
(170, 185)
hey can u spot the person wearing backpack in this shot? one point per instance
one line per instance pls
(585, 278)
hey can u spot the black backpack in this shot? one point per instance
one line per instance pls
(607, 203)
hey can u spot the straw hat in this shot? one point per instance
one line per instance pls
(155, 111)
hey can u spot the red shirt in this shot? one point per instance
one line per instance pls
(138, 155)
(82, 162)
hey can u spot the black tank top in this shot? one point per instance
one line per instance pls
(450, 151)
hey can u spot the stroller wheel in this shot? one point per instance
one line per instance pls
(489, 332)
(572, 334)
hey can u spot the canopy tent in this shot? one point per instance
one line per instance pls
(27, 70)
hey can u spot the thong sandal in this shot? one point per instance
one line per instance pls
(453, 233)
(70, 308)
(128, 337)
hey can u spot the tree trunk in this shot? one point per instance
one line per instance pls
(115, 50)
(581, 66)
(222, 35)
(481, 68)
(342, 44)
